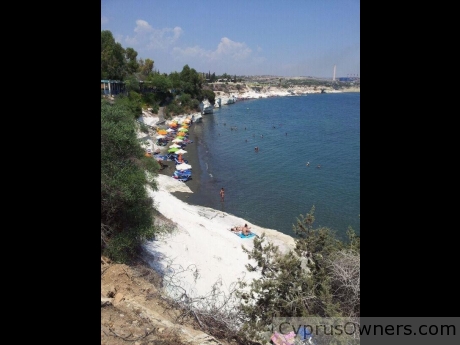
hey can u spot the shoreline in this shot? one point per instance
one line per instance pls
(202, 243)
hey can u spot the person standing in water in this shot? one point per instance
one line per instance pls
(222, 194)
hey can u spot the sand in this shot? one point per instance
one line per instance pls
(203, 241)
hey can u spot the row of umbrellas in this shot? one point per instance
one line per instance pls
(175, 148)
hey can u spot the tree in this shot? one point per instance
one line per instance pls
(161, 83)
(126, 208)
(209, 95)
(113, 64)
(191, 81)
(132, 64)
(175, 80)
(146, 67)
(132, 84)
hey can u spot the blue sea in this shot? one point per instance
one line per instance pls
(274, 186)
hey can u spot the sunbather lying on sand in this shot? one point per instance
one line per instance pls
(244, 229)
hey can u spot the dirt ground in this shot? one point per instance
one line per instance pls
(133, 311)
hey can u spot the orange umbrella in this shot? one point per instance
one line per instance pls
(173, 124)
(181, 134)
(185, 126)
(162, 131)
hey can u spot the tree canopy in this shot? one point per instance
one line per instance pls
(113, 62)
(126, 209)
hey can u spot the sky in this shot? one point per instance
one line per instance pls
(286, 38)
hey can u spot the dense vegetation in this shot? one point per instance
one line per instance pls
(179, 92)
(126, 209)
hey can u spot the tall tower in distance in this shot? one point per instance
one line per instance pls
(333, 78)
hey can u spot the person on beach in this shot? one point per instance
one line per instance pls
(222, 194)
(244, 229)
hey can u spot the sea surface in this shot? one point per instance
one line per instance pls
(274, 186)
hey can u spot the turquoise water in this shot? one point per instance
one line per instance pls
(273, 186)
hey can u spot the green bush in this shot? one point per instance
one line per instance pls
(174, 108)
(143, 127)
(126, 208)
(148, 99)
(303, 282)
(131, 103)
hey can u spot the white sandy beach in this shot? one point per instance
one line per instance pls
(203, 241)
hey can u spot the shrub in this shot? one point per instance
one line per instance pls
(126, 208)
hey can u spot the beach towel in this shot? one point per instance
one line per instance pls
(248, 236)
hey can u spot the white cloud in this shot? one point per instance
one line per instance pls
(164, 38)
(142, 27)
(227, 49)
(191, 52)
(235, 50)
(104, 20)
(149, 38)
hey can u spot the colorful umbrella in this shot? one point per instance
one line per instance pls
(182, 129)
(174, 145)
(162, 131)
(177, 140)
(181, 151)
(173, 149)
(181, 134)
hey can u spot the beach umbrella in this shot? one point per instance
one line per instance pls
(173, 124)
(182, 129)
(162, 131)
(187, 120)
(177, 140)
(184, 125)
(170, 130)
(173, 149)
(174, 145)
(180, 137)
(161, 136)
(182, 134)
(183, 166)
(181, 151)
